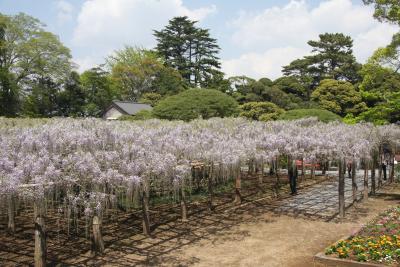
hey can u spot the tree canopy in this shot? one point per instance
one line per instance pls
(190, 50)
(196, 103)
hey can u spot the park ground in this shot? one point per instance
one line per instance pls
(260, 232)
(278, 240)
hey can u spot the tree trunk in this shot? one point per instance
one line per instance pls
(11, 213)
(365, 191)
(40, 239)
(183, 205)
(341, 189)
(98, 243)
(354, 186)
(145, 214)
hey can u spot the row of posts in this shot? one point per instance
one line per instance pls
(97, 239)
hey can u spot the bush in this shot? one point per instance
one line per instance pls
(261, 111)
(139, 116)
(322, 115)
(196, 103)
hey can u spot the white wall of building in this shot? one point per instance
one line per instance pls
(112, 114)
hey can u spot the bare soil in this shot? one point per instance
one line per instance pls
(280, 240)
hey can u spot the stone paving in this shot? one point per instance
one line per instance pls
(320, 200)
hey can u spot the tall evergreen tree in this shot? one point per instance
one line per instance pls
(190, 50)
(332, 58)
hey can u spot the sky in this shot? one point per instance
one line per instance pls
(257, 37)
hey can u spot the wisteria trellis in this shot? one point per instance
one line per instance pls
(93, 165)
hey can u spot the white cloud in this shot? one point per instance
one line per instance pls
(275, 36)
(105, 25)
(262, 64)
(65, 10)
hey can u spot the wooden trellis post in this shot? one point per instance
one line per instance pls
(145, 213)
(238, 186)
(40, 237)
(183, 204)
(341, 189)
(98, 243)
(11, 213)
(210, 199)
(365, 191)
(373, 167)
(354, 186)
(391, 175)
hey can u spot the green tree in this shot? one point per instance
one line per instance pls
(9, 94)
(99, 91)
(136, 71)
(261, 111)
(31, 60)
(72, 99)
(322, 115)
(151, 98)
(291, 85)
(190, 50)
(332, 59)
(386, 10)
(42, 100)
(339, 97)
(196, 103)
(30, 52)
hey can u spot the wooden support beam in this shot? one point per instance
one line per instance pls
(341, 189)
(97, 241)
(40, 237)
(145, 213)
(366, 190)
(238, 187)
(11, 213)
(354, 186)
(183, 204)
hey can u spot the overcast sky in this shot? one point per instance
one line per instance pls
(257, 37)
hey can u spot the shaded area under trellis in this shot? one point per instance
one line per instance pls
(125, 243)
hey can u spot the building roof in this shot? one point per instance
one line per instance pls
(129, 107)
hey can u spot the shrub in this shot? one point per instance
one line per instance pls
(321, 114)
(139, 116)
(261, 111)
(196, 103)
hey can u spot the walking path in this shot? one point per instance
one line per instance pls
(320, 200)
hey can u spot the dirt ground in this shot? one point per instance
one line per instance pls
(248, 235)
(280, 240)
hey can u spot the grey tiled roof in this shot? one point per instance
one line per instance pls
(131, 108)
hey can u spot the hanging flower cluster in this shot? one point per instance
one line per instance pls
(90, 162)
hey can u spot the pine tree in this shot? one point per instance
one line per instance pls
(190, 50)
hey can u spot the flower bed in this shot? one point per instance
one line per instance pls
(378, 241)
